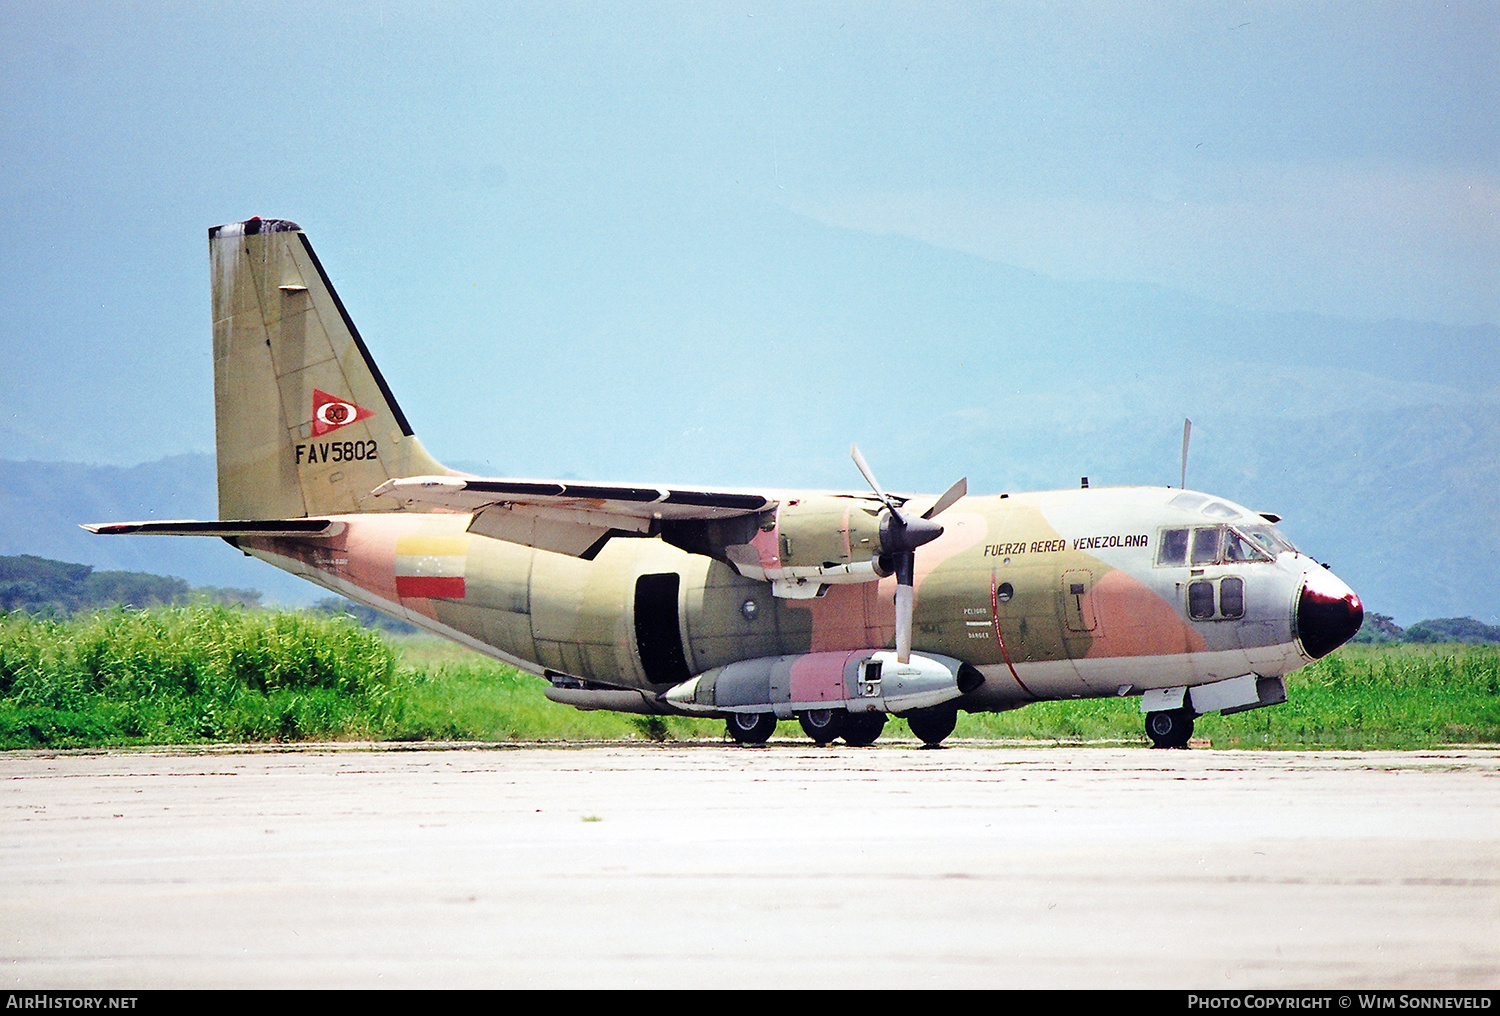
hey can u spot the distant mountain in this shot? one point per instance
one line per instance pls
(1402, 504)
(751, 350)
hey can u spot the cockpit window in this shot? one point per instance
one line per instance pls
(1187, 502)
(1206, 545)
(1174, 547)
(1269, 538)
(1238, 547)
(1219, 510)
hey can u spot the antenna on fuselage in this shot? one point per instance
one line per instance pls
(1187, 431)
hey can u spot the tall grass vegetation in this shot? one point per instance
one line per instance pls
(203, 674)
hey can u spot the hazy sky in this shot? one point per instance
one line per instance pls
(459, 167)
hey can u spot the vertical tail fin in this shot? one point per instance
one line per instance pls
(305, 423)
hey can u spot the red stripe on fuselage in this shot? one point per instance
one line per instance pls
(430, 587)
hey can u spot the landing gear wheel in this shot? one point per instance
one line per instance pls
(861, 729)
(1170, 728)
(751, 728)
(823, 725)
(933, 724)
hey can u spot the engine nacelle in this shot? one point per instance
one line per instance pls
(860, 681)
(812, 542)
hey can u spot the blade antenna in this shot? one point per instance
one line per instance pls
(1187, 432)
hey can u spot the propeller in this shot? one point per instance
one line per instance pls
(901, 533)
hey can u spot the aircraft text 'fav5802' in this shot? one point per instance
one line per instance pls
(837, 608)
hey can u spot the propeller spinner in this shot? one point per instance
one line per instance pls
(901, 533)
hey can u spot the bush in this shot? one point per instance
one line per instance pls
(189, 674)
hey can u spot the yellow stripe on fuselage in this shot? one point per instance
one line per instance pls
(432, 546)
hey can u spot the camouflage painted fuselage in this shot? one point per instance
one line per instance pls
(734, 601)
(1050, 595)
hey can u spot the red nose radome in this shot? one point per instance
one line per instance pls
(1328, 614)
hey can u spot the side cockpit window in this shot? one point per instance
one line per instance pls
(1239, 547)
(1174, 547)
(1268, 538)
(1206, 545)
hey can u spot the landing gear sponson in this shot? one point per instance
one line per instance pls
(838, 694)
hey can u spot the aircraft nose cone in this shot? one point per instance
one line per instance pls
(1328, 613)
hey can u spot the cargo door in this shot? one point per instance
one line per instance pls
(658, 630)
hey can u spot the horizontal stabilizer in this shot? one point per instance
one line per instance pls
(227, 530)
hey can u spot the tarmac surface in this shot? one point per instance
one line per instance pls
(787, 866)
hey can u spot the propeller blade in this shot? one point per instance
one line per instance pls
(945, 502)
(900, 536)
(1187, 430)
(903, 623)
(864, 470)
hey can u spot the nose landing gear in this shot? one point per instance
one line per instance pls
(1170, 728)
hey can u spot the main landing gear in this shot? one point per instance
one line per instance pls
(1170, 728)
(826, 725)
(933, 723)
(823, 725)
(858, 730)
(751, 728)
(861, 729)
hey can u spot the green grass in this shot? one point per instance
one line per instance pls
(1406, 697)
(205, 674)
(191, 674)
(1360, 697)
(451, 693)
(215, 674)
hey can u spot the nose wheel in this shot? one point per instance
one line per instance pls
(1170, 728)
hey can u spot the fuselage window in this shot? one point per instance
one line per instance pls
(1174, 546)
(1232, 597)
(1201, 601)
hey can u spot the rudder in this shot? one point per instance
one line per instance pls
(305, 424)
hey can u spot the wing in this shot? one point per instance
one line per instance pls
(570, 518)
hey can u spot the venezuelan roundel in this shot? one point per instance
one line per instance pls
(331, 412)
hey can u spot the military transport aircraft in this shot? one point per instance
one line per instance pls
(837, 608)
